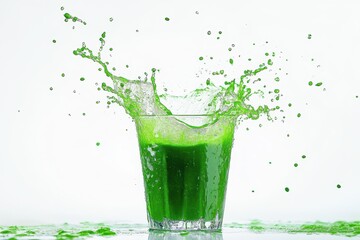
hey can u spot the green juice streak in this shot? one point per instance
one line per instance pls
(186, 182)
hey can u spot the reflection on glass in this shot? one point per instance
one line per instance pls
(192, 235)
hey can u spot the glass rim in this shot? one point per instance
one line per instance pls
(185, 115)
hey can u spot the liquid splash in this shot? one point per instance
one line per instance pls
(140, 97)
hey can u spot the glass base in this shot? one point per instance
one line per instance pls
(174, 225)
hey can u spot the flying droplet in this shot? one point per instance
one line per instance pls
(296, 165)
(338, 186)
(298, 115)
(287, 189)
(98, 144)
(54, 41)
(51, 88)
(197, 12)
(82, 79)
(111, 19)
(201, 58)
(167, 19)
(309, 36)
(62, 8)
(208, 32)
(63, 74)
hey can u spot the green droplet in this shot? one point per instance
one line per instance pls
(220, 32)
(99, 69)
(84, 114)
(208, 32)
(287, 189)
(111, 49)
(63, 74)
(67, 16)
(276, 90)
(127, 66)
(303, 156)
(298, 115)
(266, 54)
(51, 88)
(184, 233)
(296, 165)
(338, 186)
(222, 72)
(309, 36)
(98, 144)
(62, 8)
(277, 79)
(54, 41)
(103, 35)
(231, 61)
(82, 79)
(310, 83)
(318, 84)
(167, 19)
(289, 104)
(270, 162)
(208, 82)
(201, 58)
(111, 19)
(270, 62)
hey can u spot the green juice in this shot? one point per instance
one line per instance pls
(185, 178)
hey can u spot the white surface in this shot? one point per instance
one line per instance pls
(50, 168)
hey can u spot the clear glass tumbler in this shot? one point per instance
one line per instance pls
(185, 168)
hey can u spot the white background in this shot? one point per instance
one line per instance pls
(51, 170)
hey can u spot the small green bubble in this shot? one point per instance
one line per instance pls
(298, 115)
(51, 88)
(82, 79)
(276, 90)
(270, 162)
(201, 58)
(287, 189)
(208, 32)
(231, 61)
(99, 69)
(111, 49)
(222, 72)
(310, 83)
(63, 74)
(111, 19)
(62, 8)
(266, 54)
(54, 41)
(318, 84)
(303, 156)
(277, 79)
(270, 62)
(127, 66)
(75, 19)
(296, 165)
(289, 104)
(167, 19)
(208, 82)
(98, 144)
(309, 36)
(103, 35)
(338, 186)
(220, 32)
